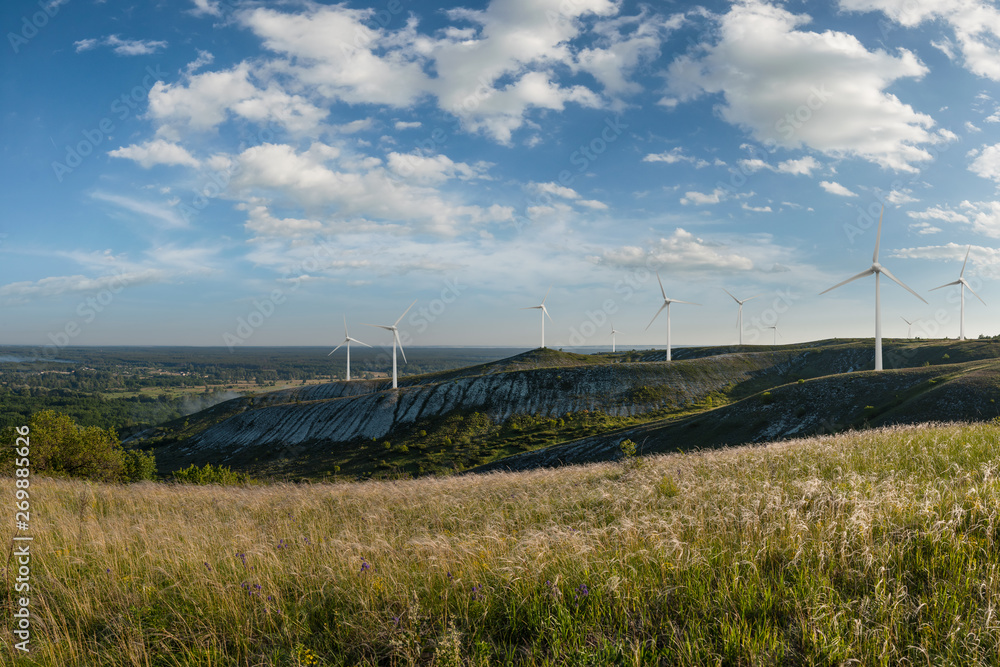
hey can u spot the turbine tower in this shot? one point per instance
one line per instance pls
(878, 270)
(666, 305)
(545, 313)
(774, 338)
(613, 332)
(739, 316)
(347, 341)
(961, 281)
(909, 325)
(395, 340)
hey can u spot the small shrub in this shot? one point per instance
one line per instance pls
(667, 487)
(210, 475)
(766, 398)
(629, 458)
(139, 465)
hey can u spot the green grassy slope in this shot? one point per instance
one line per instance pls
(874, 548)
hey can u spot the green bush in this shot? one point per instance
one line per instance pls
(139, 465)
(60, 448)
(210, 475)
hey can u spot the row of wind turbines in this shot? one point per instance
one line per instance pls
(876, 268)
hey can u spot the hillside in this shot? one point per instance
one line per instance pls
(874, 548)
(544, 407)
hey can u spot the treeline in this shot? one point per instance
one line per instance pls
(124, 414)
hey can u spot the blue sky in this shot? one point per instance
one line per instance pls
(221, 172)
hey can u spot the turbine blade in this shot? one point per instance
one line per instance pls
(405, 312)
(900, 283)
(530, 308)
(908, 322)
(359, 342)
(380, 326)
(661, 286)
(965, 262)
(400, 343)
(957, 282)
(973, 292)
(346, 335)
(655, 316)
(730, 294)
(867, 272)
(690, 303)
(336, 348)
(878, 236)
(546, 311)
(546, 294)
(753, 297)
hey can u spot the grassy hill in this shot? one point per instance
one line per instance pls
(546, 407)
(873, 548)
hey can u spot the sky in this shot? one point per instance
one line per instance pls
(220, 172)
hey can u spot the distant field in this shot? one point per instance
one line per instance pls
(871, 548)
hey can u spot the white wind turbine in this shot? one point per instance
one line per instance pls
(347, 341)
(739, 316)
(774, 338)
(395, 340)
(909, 325)
(666, 305)
(545, 313)
(613, 332)
(877, 269)
(961, 281)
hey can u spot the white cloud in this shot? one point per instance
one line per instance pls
(801, 167)
(985, 260)
(209, 7)
(54, 286)
(680, 251)
(938, 213)
(159, 214)
(835, 188)
(406, 125)
(673, 156)
(755, 209)
(987, 163)
(594, 204)
(924, 228)
(206, 100)
(155, 152)
(431, 169)
(701, 199)
(789, 87)
(972, 128)
(123, 47)
(900, 197)
(975, 26)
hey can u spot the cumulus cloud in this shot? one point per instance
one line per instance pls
(987, 162)
(835, 188)
(791, 88)
(156, 152)
(681, 250)
(975, 26)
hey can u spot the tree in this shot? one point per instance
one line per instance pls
(60, 448)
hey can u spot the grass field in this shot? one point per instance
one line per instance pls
(872, 548)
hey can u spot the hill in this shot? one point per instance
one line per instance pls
(874, 548)
(544, 407)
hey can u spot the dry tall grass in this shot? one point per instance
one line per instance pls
(870, 548)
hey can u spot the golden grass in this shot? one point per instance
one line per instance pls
(877, 547)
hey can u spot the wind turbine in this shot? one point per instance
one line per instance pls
(909, 325)
(347, 341)
(774, 340)
(666, 305)
(545, 313)
(877, 269)
(395, 340)
(613, 332)
(739, 316)
(961, 281)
